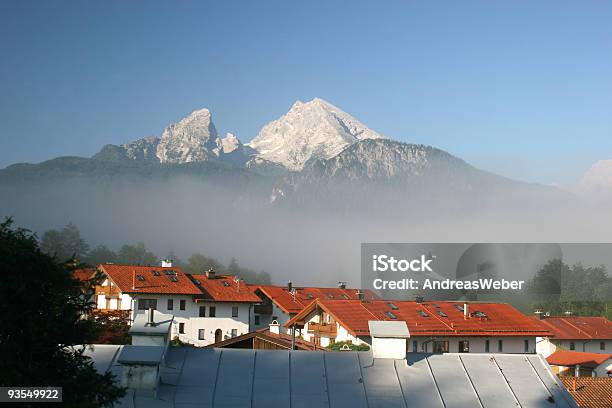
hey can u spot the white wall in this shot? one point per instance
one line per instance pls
(547, 346)
(389, 348)
(476, 344)
(265, 320)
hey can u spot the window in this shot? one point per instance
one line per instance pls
(170, 304)
(572, 345)
(144, 304)
(392, 306)
(234, 332)
(156, 273)
(202, 311)
(182, 305)
(226, 284)
(257, 320)
(526, 343)
(391, 315)
(234, 311)
(212, 311)
(182, 328)
(500, 346)
(440, 346)
(173, 279)
(442, 314)
(602, 345)
(486, 346)
(459, 307)
(140, 277)
(423, 313)
(415, 346)
(201, 334)
(464, 346)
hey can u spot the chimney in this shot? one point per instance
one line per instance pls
(466, 310)
(166, 263)
(418, 299)
(539, 314)
(150, 320)
(341, 285)
(289, 286)
(275, 327)
(360, 295)
(210, 273)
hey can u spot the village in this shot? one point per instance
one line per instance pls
(176, 316)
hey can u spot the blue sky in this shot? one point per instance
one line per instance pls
(520, 88)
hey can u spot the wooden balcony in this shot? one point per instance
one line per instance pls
(108, 291)
(323, 329)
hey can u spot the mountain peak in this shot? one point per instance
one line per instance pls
(191, 139)
(312, 129)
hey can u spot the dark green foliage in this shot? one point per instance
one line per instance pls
(101, 254)
(137, 255)
(338, 346)
(64, 244)
(559, 287)
(42, 307)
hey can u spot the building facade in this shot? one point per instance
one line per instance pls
(575, 333)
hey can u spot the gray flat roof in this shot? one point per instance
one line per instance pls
(195, 377)
(162, 324)
(389, 329)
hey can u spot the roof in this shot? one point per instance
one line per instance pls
(428, 318)
(216, 377)
(569, 358)
(162, 321)
(590, 392)
(578, 327)
(224, 288)
(292, 302)
(136, 279)
(84, 274)
(141, 355)
(388, 329)
(280, 339)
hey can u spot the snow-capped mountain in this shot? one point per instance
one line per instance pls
(192, 139)
(315, 129)
(597, 181)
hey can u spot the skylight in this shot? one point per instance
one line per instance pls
(391, 315)
(423, 313)
(170, 272)
(392, 306)
(441, 313)
(140, 277)
(156, 273)
(478, 313)
(174, 279)
(330, 296)
(309, 296)
(345, 297)
(226, 284)
(459, 307)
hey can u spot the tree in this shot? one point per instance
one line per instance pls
(42, 311)
(101, 254)
(198, 263)
(136, 254)
(64, 244)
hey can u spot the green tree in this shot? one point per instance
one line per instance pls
(42, 307)
(101, 254)
(64, 244)
(198, 263)
(247, 274)
(136, 254)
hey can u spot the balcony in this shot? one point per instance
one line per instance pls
(323, 329)
(108, 291)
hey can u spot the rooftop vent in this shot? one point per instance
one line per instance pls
(210, 273)
(342, 285)
(389, 339)
(539, 314)
(360, 295)
(226, 284)
(289, 286)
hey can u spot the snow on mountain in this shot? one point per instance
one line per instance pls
(142, 149)
(316, 129)
(192, 139)
(597, 181)
(229, 143)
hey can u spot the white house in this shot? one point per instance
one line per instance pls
(438, 327)
(207, 308)
(574, 333)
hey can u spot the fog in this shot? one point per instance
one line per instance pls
(306, 243)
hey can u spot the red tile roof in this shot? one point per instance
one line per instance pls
(224, 288)
(570, 358)
(294, 302)
(282, 339)
(578, 327)
(428, 318)
(84, 274)
(590, 392)
(154, 279)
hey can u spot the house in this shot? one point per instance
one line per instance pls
(438, 327)
(271, 338)
(590, 392)
(225, 377)
(581, 364)
(206, 308)
(281, 303)
(574, 333)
